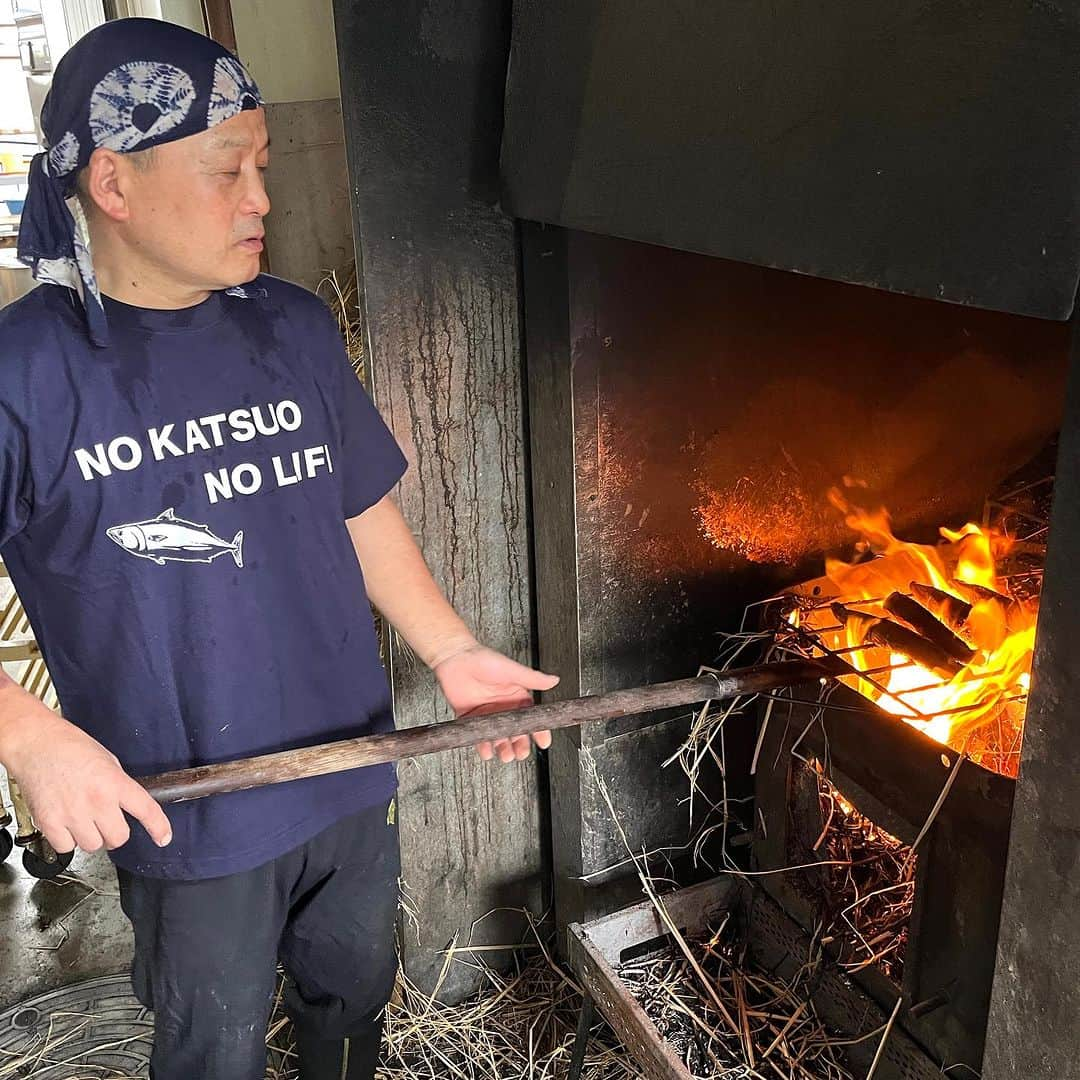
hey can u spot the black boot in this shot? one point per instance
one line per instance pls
(354, 1058)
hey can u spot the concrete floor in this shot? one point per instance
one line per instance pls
(56, 932)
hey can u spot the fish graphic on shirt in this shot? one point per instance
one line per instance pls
(168, 538)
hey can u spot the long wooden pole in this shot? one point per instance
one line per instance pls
(335, 757)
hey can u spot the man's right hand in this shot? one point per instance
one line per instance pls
(75, 788)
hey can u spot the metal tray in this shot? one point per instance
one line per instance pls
(777, 943)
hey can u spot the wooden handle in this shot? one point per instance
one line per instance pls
(431, 738)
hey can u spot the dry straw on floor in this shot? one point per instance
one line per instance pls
(519, 1027)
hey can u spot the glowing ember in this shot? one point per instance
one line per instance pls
(868, 888)
(766, 516)
(942, 640)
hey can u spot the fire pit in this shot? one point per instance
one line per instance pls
(891, 793)
(882, 807)
(940, 636)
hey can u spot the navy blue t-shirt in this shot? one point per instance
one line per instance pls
(172, 513)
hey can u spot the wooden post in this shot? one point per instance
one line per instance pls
(421, 88)
(218, 17)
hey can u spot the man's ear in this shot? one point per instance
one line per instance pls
(106, 182)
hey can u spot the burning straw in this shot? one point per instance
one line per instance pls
(868, 887)
(940, 636)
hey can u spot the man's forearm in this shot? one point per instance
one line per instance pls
(13, 707)
(400, 585)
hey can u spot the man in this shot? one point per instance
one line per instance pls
(193, 494)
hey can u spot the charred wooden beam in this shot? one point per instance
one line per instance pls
(926, 623)
(900, 639)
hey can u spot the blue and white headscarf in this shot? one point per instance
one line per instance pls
(127, 85)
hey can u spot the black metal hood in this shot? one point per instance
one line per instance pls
(916, 146)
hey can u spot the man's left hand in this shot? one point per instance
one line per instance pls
(479, 680)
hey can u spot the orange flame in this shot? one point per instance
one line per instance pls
(981, 707)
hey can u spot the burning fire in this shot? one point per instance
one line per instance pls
(943, 640)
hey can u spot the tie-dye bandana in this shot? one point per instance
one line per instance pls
(127, 85)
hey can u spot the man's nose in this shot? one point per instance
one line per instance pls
(256, 200)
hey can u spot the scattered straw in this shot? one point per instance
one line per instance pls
(344, 303)
(726, 1020)
(778, 1032)
(521, 1027)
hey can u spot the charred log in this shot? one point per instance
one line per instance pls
(900, 639)
(950, 609)
(926, 624)
(977, 593)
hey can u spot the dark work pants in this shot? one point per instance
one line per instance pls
(206, 954)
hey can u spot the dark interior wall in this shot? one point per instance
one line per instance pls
(673, 394)
(421, 102)
(717, 403)
(923, 148)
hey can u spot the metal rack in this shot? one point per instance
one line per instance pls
(812, 642)
(1022, 512)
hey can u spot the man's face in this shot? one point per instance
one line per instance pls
(196, 209)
